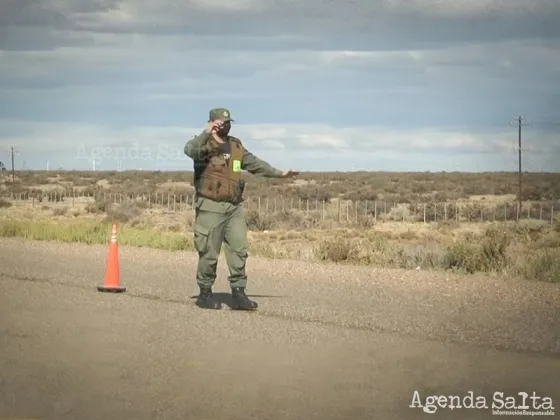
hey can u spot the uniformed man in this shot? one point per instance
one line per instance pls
(218, 160)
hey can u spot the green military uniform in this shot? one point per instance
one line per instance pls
(219, 209)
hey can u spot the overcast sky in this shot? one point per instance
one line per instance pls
(399, 85)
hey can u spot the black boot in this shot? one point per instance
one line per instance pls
(207, 300)
(241, 301)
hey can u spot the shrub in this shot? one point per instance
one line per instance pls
(489, 254)
(123, 212)
(342, 250)
(544, 265)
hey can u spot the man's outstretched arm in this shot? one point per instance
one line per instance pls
(257, 166)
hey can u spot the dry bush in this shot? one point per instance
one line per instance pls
(116, 212)
(378, 250)
(529, 250)
(259, 222)
(556, 224)
(486, 254)
(282, 220)
(123, 212)
(60, 211)
(543, 265)
(99, 205)
(345, 250)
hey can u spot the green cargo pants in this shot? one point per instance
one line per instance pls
(216, 223)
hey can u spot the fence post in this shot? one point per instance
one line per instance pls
(552, 215)
(424, 212)
(338, 209)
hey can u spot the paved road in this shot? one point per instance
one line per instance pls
(328, 342)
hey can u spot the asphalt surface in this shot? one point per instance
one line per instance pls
(328, 341)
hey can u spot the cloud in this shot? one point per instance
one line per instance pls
(384, 82)
(142, 78)
(249, 24)
(305, 145)
(470, 8)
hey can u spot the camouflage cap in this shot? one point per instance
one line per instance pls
(220, 114)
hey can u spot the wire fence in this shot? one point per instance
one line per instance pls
(335, 210)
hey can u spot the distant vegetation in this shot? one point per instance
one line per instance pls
(383, 186)
(348, 234)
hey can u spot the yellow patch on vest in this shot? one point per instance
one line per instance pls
(236, 166)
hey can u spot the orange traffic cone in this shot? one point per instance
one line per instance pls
(112, 271)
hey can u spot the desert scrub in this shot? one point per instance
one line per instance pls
(350, 248)
(336, 250)
(91, 232)
(473, 254)
(501, 249)
(376, 249)
(543, 265)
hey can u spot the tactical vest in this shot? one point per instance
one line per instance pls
(219, 178)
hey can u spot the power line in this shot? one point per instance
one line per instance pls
(545, 122)
(520, 122)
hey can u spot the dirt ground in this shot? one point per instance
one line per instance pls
(328, 341)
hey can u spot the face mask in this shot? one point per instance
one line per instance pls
(224, 129)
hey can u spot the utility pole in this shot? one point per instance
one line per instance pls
(520, 122)
(13, 152)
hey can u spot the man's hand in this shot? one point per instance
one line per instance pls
(214, 126)
(289, 173)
